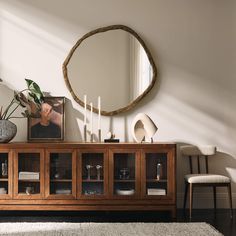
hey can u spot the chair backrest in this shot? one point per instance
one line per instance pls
(197, 152)
(202, 165)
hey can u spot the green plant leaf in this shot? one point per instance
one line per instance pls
(24, 114)
(21, 99)
(35, 98)
(30, 102)
(35, 91)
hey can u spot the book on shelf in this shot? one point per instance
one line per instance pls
(156, 191)
(63, 191)
(24, 175)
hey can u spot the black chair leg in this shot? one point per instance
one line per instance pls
(230, 200)
(190, 200)
(214, 195)
(185, 195)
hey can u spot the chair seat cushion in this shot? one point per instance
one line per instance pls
(206, 178)
(205, 150)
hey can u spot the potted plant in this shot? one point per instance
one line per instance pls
(29, 99)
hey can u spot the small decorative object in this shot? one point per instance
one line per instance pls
(25, 175)
(125, 191)
(7, 131)
(111, 138)
(3, 191)
(49, 124)
(85, 133)
(33, 98)
(156, 191)
(63, 191)
(124, 173)
(143, 128)
(57, 175)
(89, 167)
(29, 190)
(98, 167)
(4, 169)
(92, 192)
(159, 171)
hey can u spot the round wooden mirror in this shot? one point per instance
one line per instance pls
(111, 62)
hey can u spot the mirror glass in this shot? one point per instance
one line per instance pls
(112, 64)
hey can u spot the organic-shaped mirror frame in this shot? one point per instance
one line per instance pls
(100, 30)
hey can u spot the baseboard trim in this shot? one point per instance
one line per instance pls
(205, 200)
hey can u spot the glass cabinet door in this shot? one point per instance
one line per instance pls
(5, 174)
(29, 174)
(157, 174)
(61, 174)
(125, 173)
(93, 174)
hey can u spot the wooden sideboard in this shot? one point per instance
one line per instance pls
(88, 176)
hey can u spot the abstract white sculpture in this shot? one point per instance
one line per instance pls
(143, 128)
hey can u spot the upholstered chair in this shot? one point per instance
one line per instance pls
(203, 178)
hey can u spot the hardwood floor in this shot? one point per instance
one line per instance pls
(220, 219)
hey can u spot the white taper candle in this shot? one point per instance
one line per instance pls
(91, 118)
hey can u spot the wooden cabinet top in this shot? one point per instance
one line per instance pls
(14, 145)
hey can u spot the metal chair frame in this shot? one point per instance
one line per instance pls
(189, 187)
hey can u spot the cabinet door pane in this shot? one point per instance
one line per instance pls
(92, 174)
(60, 173)
(124, 174)
(156, 174)
(4, 175)
(29, 173)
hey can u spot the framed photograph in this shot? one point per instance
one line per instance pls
(50, 124)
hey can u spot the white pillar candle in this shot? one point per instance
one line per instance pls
(85, 109)
(99, 112)
(91, 118)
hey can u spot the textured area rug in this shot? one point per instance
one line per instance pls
(107, 229)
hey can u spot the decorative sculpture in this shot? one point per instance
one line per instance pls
(143, 128)
(98, 167)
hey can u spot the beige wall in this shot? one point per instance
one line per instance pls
(193, 45)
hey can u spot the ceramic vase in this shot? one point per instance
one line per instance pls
(7, 131)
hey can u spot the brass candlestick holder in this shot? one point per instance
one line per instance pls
(89, 167)
(98, 167)
(91, 137)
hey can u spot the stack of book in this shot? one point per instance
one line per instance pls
(63, 191)
(156, 191)
(24, 175)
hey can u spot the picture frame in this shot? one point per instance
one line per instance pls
(49, 126)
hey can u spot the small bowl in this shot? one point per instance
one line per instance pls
(125, 191)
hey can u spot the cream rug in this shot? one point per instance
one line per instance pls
(107, 229)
